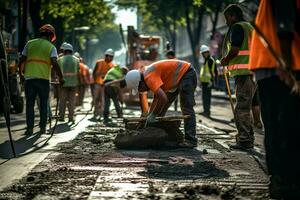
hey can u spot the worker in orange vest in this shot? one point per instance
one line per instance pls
(84, 76)
(101, 68)
(38, 56)
(166, 79)
(278, 24)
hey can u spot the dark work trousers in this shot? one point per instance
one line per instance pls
(206, 98)
(67, 99)
(245, 89)
(281, 117)
(111, 92)
(34, 88)
(186, 90)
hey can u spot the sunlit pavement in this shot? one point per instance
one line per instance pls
(99, 171)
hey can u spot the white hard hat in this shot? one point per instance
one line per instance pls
(133, 79)
(68, 47)
(63, 45)
(109, 52)
(77, 54)
(204, 48)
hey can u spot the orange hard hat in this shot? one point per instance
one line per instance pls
(49, 28)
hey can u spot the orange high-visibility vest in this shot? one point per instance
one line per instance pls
(102, 68)
(260, 56)
(165, 74)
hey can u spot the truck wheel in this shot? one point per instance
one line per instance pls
(18, 105)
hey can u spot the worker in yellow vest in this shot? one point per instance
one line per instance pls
(206, 79)
(236, 58)
(113, 91)
(39, 55)
(69, 65)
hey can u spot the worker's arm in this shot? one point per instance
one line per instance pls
(284, 13)
(236, 38)
(159, 101)
(57, 69)
(210, 66)
(94, 71)
(21, 65)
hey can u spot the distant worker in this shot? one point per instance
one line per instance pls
(237, 61)
(101, 68)
(166, 79)
(84, 80)
(69, 65)
(278, 24)
(38, 55)
(112, 91)
(207, 78)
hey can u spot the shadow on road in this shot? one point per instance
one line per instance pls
(22, 145)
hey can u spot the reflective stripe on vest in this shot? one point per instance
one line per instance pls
(38, 63)
(240, 64)
(178, 68)
(70, 69)
(205, 75)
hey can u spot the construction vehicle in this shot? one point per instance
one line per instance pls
(142, 50)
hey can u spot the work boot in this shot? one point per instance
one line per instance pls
(71, 120)
(61, 119)
(187, 144)
(43, 130)
(29, 131)
(243, 147)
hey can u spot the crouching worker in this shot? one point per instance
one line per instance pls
(166, 79)
(113, 81)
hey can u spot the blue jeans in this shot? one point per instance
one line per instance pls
(34, 88)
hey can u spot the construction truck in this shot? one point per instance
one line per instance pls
(142, 50)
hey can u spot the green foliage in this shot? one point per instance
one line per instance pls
(79, 12)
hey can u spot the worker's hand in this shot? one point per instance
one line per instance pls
(150, 119)
(144, 114)
(224, 61)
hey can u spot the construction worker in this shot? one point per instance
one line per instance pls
(206, 78)
(276, 39)
(69, 65)
(167, 78)
(111, 91)
(101, 68)
(84, 77)
(236, 59)
(38, 55)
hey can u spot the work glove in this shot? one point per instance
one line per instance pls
(150, 119)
